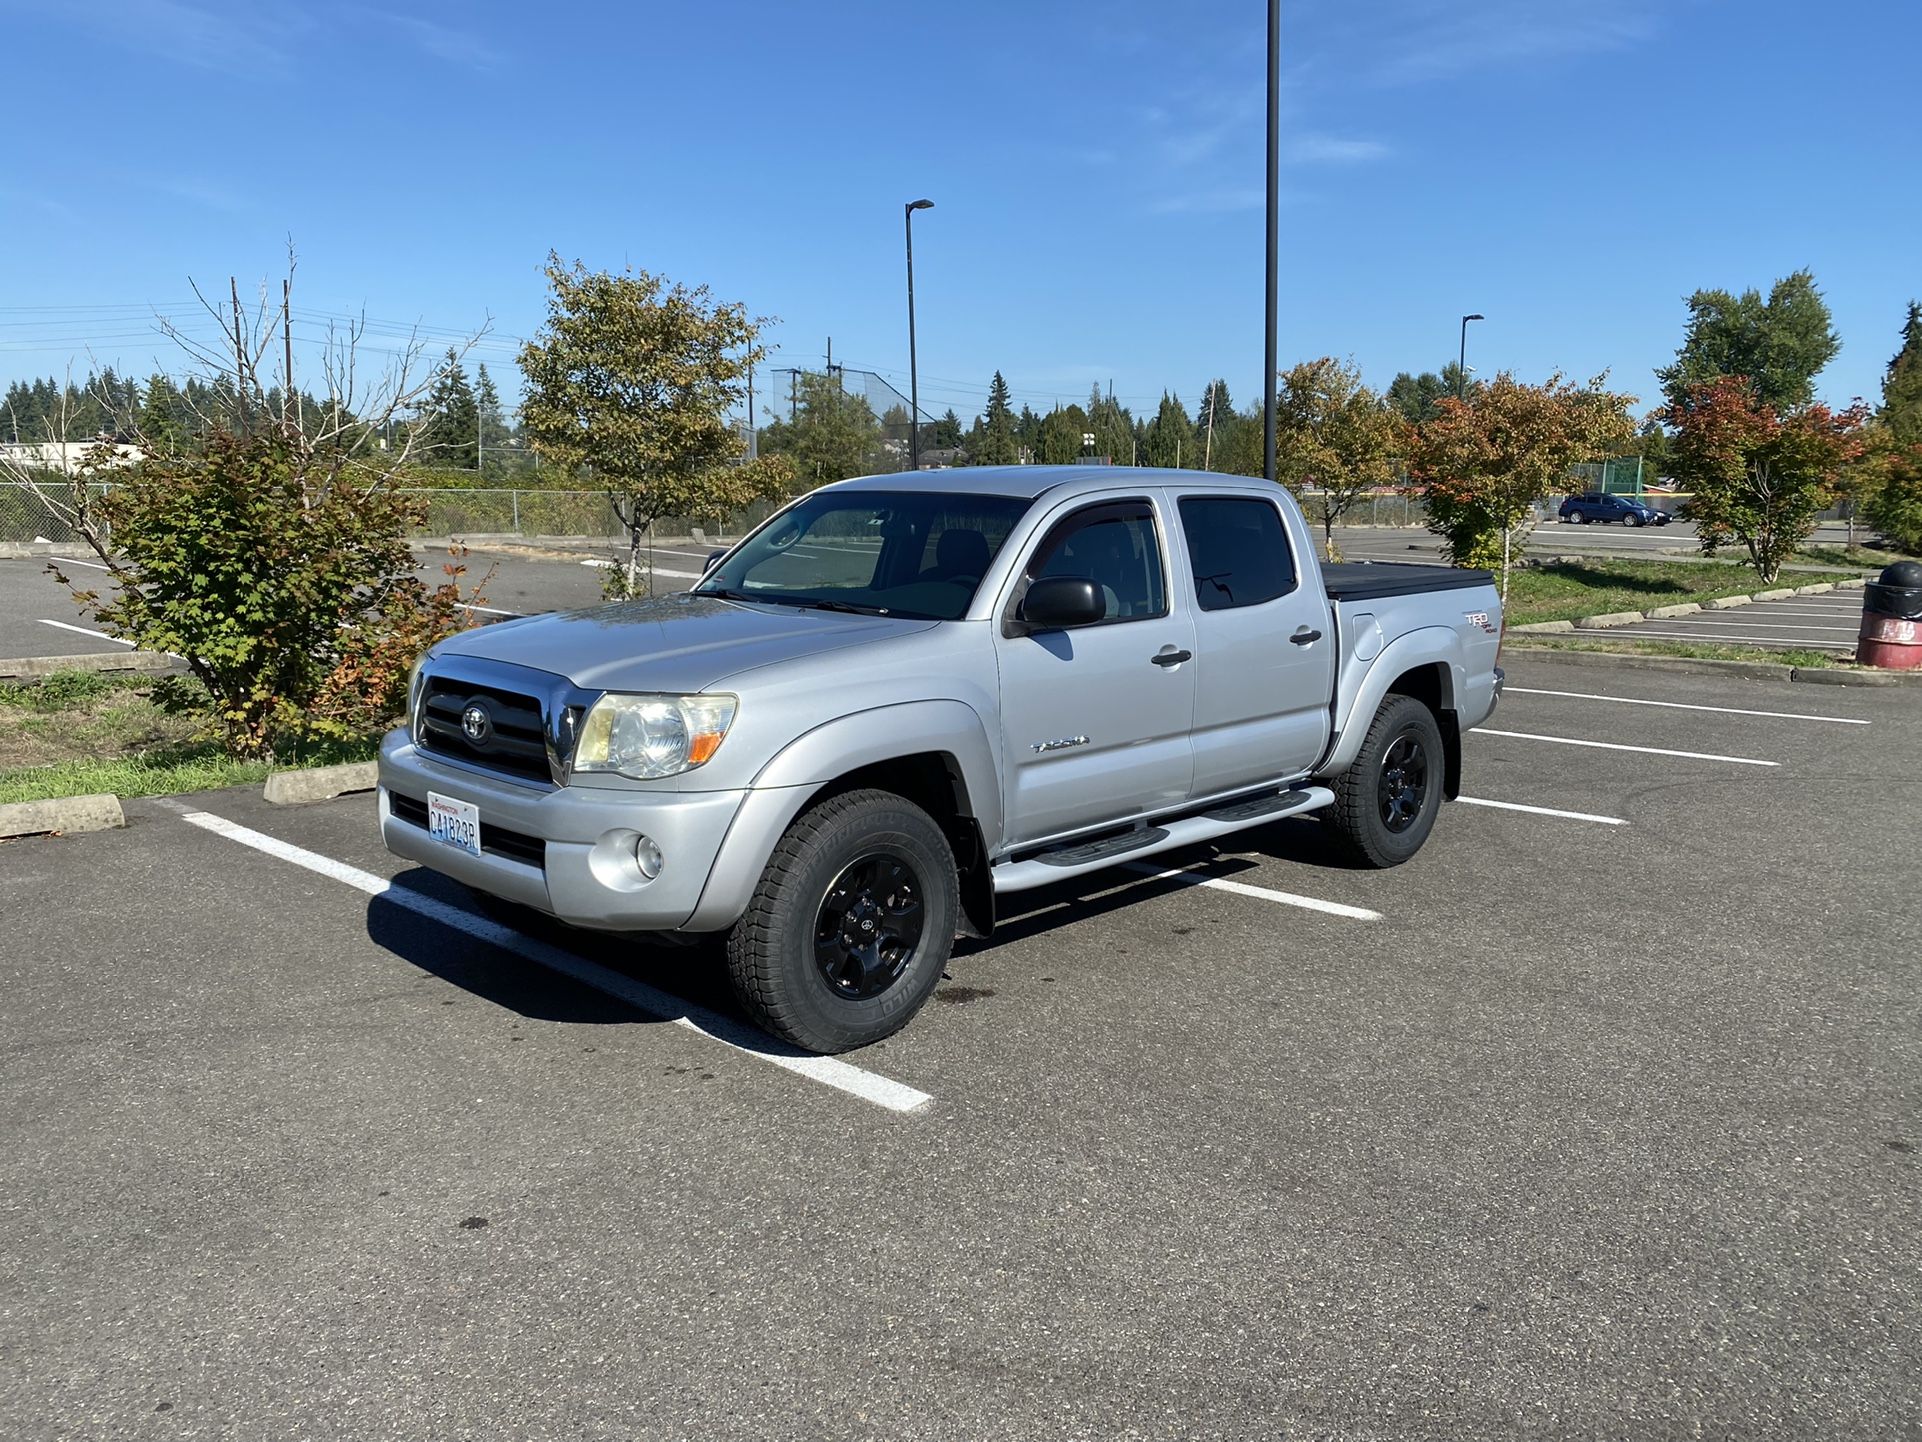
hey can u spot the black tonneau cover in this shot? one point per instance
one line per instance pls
(1368, 581)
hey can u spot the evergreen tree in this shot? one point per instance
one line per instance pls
(1901, 408)
(945, 434)
(993, 443)
(493, 423)
(1169, 439)
(160, 423)
(450, 419)
(1416, 398)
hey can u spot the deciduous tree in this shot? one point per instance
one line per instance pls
(1333, 435)
(1757, 475)
(630, 382)
(1780, 344)
(1481, 466)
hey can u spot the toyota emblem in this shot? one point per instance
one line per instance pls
(475, 724)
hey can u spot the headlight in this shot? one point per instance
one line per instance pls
(647, 736)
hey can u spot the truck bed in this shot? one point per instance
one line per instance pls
(1372, 580)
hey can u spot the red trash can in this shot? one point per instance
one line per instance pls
(1891, 634)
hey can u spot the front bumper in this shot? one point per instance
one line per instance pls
(567, 851)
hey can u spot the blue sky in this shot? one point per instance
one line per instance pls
(1570, 168)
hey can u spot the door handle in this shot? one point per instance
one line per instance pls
(1171, 658)
(1305, 637)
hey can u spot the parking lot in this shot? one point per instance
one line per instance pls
(1597, 1119)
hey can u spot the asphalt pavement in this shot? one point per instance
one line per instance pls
(1604, 1126)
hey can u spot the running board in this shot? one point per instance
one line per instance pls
(1078, 860)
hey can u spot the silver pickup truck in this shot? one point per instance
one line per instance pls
(903, 697)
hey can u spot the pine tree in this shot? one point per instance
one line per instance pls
(493, 424)
(1169, 439)
(450, 419)
(994, 444)
(159, 420)
(1902, 386)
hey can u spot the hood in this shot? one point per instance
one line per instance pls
(678, 643)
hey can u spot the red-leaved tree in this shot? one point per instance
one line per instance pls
(1757, 476)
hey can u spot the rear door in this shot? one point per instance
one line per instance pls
(1264, 643)
(1095, 719)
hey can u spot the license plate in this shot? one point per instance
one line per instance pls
(455, 822)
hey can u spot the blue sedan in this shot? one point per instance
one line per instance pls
(1598, 506)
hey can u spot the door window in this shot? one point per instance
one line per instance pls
(1116, 547)
(1238, 550)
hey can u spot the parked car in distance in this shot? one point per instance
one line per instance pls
(1600, 506)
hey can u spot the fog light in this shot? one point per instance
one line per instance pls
(647, 856)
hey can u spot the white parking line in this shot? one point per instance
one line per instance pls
(1756, 623)
(654, 570)
(1681, 705)
(1717, 634)
(82, 630)
(484, 610)
(1543, 811)
(76, 561)
(1619, 746)
(1242, 888)
(829, 1071)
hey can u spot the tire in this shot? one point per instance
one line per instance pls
(843, 872)
(1376, 820)
(1635, 521)
(1580, 518)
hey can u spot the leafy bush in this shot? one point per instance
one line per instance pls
(285, 583)
(1895, 506)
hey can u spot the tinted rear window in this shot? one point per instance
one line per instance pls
(1238, 549)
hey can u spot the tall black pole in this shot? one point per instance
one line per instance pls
(1270, 362)
(1461, 362)
(914, 378)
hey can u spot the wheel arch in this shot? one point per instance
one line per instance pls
(1424, 664)
(933, 753)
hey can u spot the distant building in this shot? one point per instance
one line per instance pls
(64, 455)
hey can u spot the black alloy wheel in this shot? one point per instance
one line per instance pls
(1404, 783)
(868, 925)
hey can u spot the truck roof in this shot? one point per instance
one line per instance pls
(1028, 482)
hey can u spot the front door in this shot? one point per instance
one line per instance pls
(1095, 719)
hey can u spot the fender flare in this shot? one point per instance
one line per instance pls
(785, 785)
(1428, 646)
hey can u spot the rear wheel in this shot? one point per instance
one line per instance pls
(850, 925)
(1578, 517)
(1387, 799)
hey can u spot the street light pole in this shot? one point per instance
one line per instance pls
(1461, 361)
(1270, 362)
(914, 379)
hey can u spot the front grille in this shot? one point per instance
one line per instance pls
(496, 840)
(513, 742)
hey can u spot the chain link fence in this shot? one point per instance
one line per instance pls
(26, 518)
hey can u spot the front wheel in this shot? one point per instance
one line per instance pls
(850, 925)
(1632, 520)
(1387, 799)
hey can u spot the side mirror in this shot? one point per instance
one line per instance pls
(712, 557)
(1056, 603)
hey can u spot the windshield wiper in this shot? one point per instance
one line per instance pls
(808, 603)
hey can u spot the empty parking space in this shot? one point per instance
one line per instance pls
(1824, 622)
(1211, 1146)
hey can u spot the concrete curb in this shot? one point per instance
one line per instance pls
(1729, 603)
(34, 668)
(1780, 593)
(66, 815)
(1542, 628)
(1680, 608)
(27, 550)
(1820, 588)
(1703, 666)
(1608, 619)
(320, 783)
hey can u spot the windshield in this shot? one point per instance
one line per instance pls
(920, 554)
